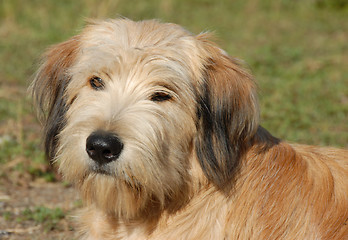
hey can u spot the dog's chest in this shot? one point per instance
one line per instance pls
(201, 220)
(192, 228)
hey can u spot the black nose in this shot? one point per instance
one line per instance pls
(103, 147)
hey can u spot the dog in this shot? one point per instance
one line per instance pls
(159, 130)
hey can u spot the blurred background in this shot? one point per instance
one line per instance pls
(296, 49)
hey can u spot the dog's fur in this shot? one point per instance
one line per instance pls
(195, 165)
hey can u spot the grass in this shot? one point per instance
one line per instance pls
(42, 215)
(297, 51)
(48, 217)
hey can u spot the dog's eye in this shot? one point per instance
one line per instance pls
(160, 96)
(96, 83)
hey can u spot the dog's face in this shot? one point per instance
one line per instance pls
(130, 105)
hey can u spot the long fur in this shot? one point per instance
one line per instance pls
(195, 165)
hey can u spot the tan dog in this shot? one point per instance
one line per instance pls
(159, 130)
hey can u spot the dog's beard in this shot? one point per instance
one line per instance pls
(128, 197)
(114, 196)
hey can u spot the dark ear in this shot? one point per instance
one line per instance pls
(48, 89)
(228, 115)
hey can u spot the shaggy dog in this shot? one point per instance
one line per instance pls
(159, 130)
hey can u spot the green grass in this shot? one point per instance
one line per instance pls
(48, 217)
(297, 51)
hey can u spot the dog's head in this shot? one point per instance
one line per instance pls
(129, 105)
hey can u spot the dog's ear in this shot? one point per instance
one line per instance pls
(228, 114)
(48, 89)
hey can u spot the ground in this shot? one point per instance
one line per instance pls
(38, 210)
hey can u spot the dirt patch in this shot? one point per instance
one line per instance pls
(40, 210)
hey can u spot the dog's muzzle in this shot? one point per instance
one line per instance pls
(103, 147)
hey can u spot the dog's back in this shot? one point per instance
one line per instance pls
(291, 191)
